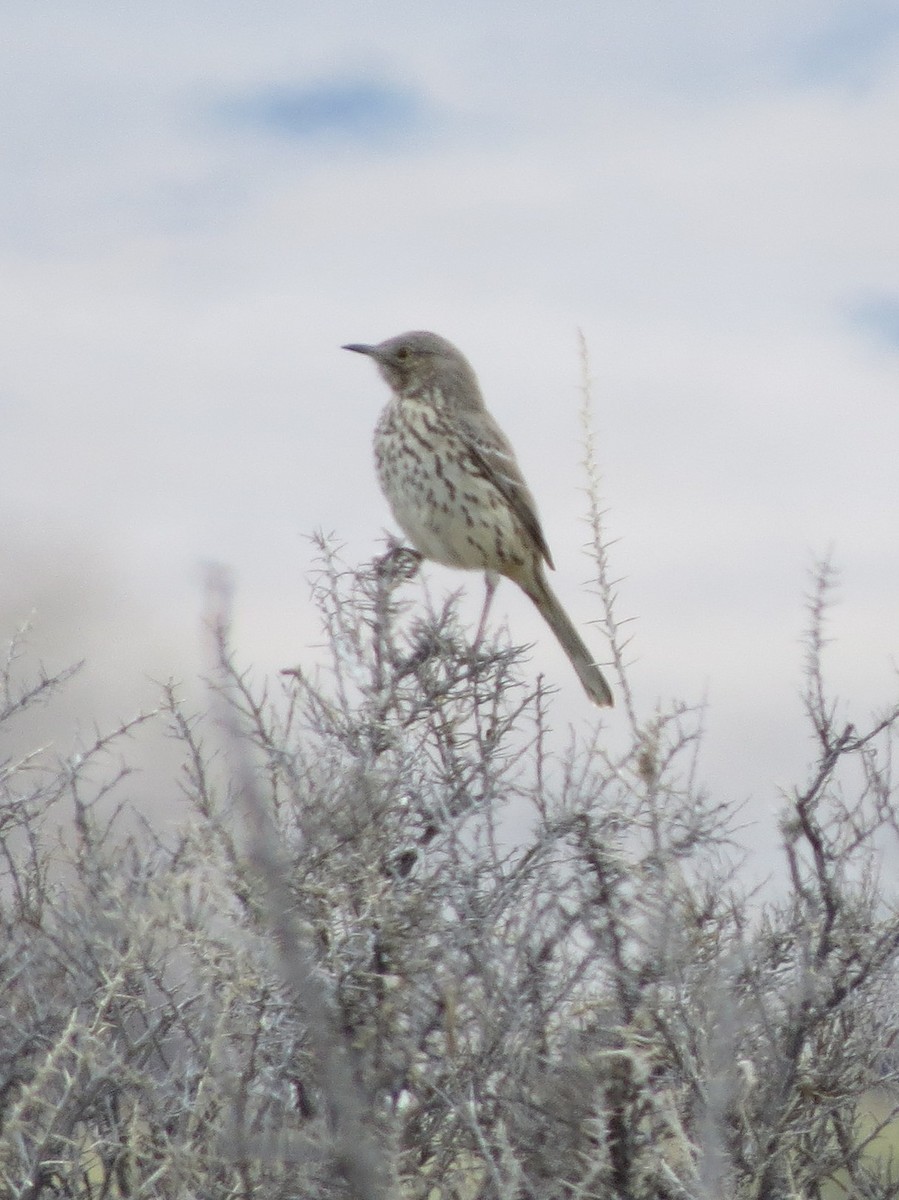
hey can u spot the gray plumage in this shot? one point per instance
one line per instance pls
(453, 483)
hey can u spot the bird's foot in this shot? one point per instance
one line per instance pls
(400, 562)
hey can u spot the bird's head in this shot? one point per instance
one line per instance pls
(420, 363)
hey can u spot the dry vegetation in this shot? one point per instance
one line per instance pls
(397, 947)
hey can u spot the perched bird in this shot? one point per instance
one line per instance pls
(451, 479)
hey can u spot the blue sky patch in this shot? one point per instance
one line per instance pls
(852, 46)
(879, 315)
(350, 109)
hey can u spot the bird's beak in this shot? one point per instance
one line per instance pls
(360, 348)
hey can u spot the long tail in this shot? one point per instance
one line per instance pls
(595, 685)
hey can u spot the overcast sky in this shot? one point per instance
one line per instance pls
(200, 202)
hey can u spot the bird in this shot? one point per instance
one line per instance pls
(454, 486)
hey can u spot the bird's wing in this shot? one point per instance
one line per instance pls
(493, 455)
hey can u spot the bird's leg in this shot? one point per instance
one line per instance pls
(491, 579)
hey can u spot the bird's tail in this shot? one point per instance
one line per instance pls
(570, 640)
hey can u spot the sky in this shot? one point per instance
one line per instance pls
(201, 202)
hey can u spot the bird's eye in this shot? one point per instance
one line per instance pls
(403, 353)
